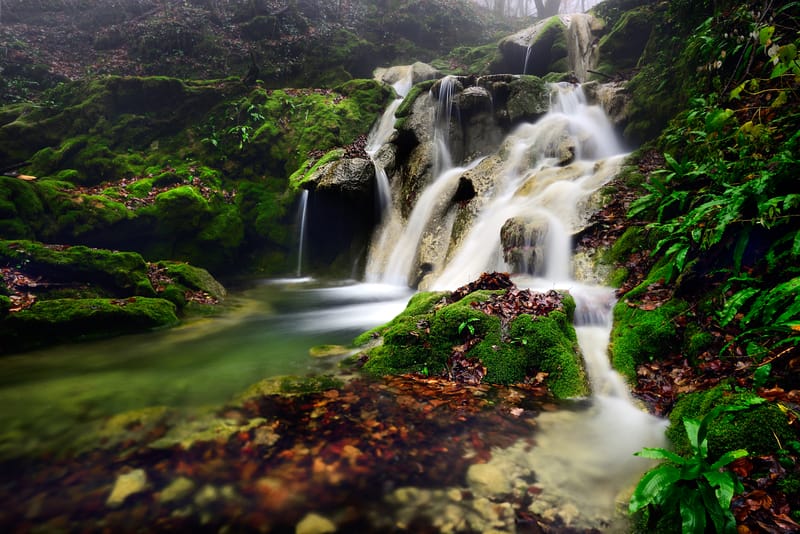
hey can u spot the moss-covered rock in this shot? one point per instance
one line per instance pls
(432, 330)
(550, 345)
(528, 99)
(621, 48)
(641, 335)
(760, 428)
(74, 319)
(192, 277)
(122, 274)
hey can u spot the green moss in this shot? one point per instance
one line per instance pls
(529, 97)
(408, 102)
(623, 45)
(192, 277)
(140, 188)
(550, 345)
(72, 319)
(640, 335)
(307, 170)
(21, 209)
(423, 336)
(5, 305)
(760, 429)
(465, 60)
(121, 273)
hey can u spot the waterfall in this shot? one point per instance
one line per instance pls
(527, 57)
(442, 160)
(380, 134)
(394, 249)
(543, 175)
(302, 237)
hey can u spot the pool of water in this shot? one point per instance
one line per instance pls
(263, 330)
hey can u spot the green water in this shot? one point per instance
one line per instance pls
(49, 396)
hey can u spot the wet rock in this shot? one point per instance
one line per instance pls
(177, 490)
(315, 524)
(487, 479)
(347, 175)
(473, 100)
(537, 50)
(127, 484)
(419, 72)
(207, 495)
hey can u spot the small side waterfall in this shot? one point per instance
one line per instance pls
(302, 237)
(442, 160)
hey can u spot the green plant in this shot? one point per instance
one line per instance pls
(692, 489)
(467, 325)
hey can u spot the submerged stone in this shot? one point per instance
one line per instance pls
(126, 485)
(315, 524)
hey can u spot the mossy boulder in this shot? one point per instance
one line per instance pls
(760, 428)
(433, 331)
(641, 335)
(192, 277)
(621, 48)
(538, 50)
(121, 274)
(528, 99)
(59, 320)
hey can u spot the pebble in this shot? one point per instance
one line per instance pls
(178, 489)
(487, 479)
(315, 524)
(126, 485)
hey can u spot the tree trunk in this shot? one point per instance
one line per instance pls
(546, 8)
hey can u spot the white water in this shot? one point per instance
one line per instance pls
(301, 240)
(380, 134)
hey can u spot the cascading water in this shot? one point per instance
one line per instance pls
(548, 173)
(380, 134)
(393, 252)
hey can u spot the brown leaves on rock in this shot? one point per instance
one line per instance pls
(20, 285)
(516, 302)
(491, 281)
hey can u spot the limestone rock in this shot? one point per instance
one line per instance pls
(537, 50)
(487, 479)
(348, 175)
(127, 484)
(613, 97)
(419, 72)
(178, 489)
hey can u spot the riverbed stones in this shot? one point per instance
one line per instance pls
(488, 479)
(315, 524)
(177, 490)
(127, 484)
